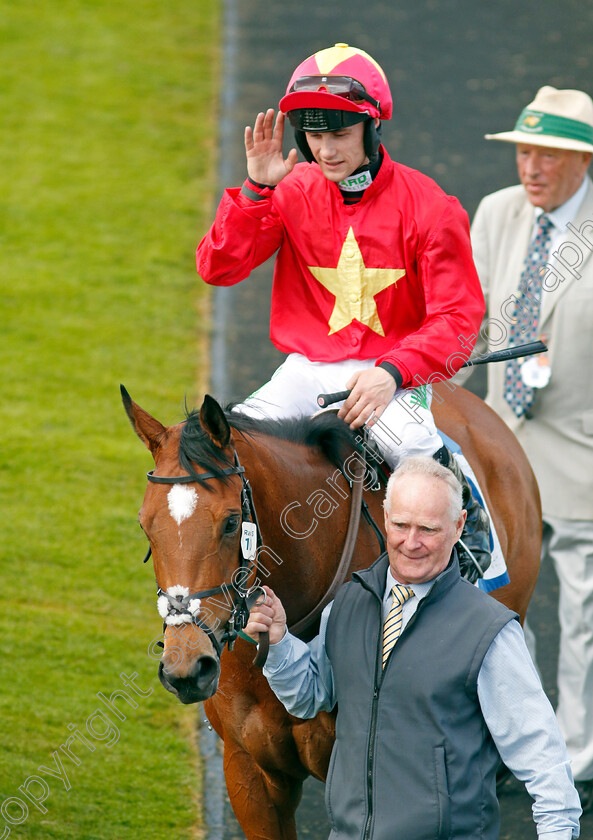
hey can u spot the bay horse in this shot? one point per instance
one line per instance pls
(208, 470)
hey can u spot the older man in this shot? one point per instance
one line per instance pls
(532, 247)
(431, 677)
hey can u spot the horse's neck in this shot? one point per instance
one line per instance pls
(302, 504)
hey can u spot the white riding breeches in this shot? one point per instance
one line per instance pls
(405, 428)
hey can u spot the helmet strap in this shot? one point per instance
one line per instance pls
(372, 139)
(301, 141)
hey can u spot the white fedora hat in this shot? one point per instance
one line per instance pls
(558, 119)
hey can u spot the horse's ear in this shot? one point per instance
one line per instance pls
(214, 423)
(149, 430)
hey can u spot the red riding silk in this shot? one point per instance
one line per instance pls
(391, 277)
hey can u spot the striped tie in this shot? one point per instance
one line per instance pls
(393, 623)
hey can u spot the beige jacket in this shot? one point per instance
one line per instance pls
(558, 440)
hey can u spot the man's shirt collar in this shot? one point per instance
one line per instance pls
(420, 590)
(560, 216)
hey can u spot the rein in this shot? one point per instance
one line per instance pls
(351, 534)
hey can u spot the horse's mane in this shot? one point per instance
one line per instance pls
(324, 431)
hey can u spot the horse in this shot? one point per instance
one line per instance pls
(217, 468)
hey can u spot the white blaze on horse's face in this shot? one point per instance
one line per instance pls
(182, 501)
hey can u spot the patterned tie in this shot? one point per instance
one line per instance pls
(526, 316)
(393, 623)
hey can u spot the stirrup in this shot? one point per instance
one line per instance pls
(473, 548)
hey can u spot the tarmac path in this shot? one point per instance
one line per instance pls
(457, 70)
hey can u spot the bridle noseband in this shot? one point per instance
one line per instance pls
(179, 606)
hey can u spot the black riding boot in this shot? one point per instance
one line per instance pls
(473, 548)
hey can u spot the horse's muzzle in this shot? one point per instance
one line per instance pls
(199, 683)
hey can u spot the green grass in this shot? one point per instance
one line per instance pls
(107, 170)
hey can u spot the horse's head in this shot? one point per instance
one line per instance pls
(191, 514)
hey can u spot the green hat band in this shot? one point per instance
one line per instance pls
(536, 122)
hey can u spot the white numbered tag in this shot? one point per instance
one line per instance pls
(248, 540)
(535, 373)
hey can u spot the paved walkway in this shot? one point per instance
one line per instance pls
(457, 69)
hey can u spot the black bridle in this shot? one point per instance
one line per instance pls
(180, 605)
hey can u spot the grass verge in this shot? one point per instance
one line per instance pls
(106, 166)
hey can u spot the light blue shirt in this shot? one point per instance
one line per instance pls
(516, 710)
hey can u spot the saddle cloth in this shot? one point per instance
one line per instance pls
(496, 574)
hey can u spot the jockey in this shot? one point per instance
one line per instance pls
(375, 287)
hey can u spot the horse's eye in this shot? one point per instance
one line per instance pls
(232, 524)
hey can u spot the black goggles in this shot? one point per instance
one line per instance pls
(343, 86)
(324, 119)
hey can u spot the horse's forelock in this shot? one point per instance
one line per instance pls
(197, 447)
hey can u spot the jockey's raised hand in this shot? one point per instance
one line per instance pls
(267, 615)
(263, 146)
(371, 392)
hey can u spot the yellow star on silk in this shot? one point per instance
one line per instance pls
(355, 286)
